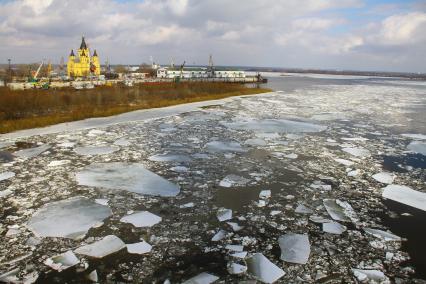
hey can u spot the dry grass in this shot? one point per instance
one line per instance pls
(37, 108)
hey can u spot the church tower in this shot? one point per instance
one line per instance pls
(96, 66)
(84, 65)
(70, 64)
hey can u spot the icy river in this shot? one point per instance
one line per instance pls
(321, 181)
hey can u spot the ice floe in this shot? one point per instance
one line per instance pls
(340, 210)
(295, 248)
(405, 195)
(202, 278)
(6, 175)
(141, 219)
(224, 214)
(344, 162)
(169, 158)
(302, 209)
(276, 126)
(130, 177)
(386, 236)
(370, 276)
(263, 269)
(224, 146)
(95, 150)
(236, 268)
(122, 142)
(58, 163)
(417, 147)
(139, 248)
(333, 228)
(70, 218)
(414, 136)
(99, 249)
(233, 180)
(357, 152)
(220, 235)
(384, 177)
(62, 261)
(31, 152)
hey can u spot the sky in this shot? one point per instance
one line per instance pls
(374, 35)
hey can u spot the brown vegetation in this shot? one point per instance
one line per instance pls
(36, 108)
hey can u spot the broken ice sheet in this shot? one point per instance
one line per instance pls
(333, 228)
(237, 248)
(224, 214)
(6, 175)
(99, 249)
(405, 195)
(70, 218)
(129, 177)
(364, 275)
(235, 227)
(357, 152)
(417, 147)
(386, 236)
(220, 235)
(58, 163)
(302, 209)
(202, 278)
(96, 150)
(122, 142)
(224, 146)
(384, 177)
(263, 269)
(295, 248)
(265, 194)
(233, 180)
(31, 152)
(344, 162)
(340, 210)
(62, 261)
(141, 219)
(235, 268)
(139, 248)
(276, 125)
(169, 158)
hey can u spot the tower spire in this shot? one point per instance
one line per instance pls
(83, 44)
(95, 53)
(72, 52)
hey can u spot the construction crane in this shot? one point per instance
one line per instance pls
(34, 79)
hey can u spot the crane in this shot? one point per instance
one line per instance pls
(38, 71)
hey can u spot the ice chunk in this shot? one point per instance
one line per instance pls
(405, 195)
(169, 158)
(179, 169)
(417, 147)
(237, 248)
(106, 246)
(227, 146)
(255, 142)
(6, 175)
(263, 269)
(235, 227)
(102, 201)
(357, 152)
(354, 173)
(344, 162)
(302, 209)
(141, 219)
(202, 278)
(224, 214)
(187, 205)
(62, 261)
(93, 276)
(233, 180)
(66, 145)
(5, 144)
(333, 228)
(5, 193)
(58, 163)
(276, 125)
(95, 150)
(265, 194)
(319, 219)
(413, 136)
(6, 157)
(95, 132)
(235, 268)
(384, 177)
(369, 275)
(241, 254)
(387, 236)
(122, 142)
(130, 177)
(340, 210)
(139, 248)
(295, 248)
(31, 152)
(70, 218)
(220, 235)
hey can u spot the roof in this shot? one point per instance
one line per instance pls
(83, 44)
(95, 53)
(72, 52)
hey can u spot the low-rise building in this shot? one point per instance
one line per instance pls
(194, 73)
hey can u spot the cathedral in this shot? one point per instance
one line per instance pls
(83, 65)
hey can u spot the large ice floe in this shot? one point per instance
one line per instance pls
(202, 278)
(224, 146)
(340, 210)
(141, 219)
(99, 249)
(130, 177)
(263, 269)
(405, 195)
(295, 248)
(31, 152)
(276, 126)
(70, 218)
(417, 147)
(177, 158)
(95, 150)
(6, 175)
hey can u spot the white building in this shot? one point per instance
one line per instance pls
(189, 73)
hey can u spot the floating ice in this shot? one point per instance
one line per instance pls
(255, 142)
(5, 144)
(66, 145)
(122, 142)
(319, 219)
(31, 152)
(340, 210)
(333, 228)
(58, 163)
(130, 177)
(95, 150)
(369, 275)
(219, 146)
(70, 218)
(320, 185)
(291, 156)
(106, 246)
(237, 248)
(344, 162)
(241, 254)
(387, 236)
(95, 132)
(360, 139)
(93, 276)
(169, 158)
(235, 268)
(354, 173)
(62, 261)
(265, 194)
(5, 193)
(220, 235)
(295, 248)
(179, 169)
(417, 147)
(357, 152)
(263, 269)
(139, 248)
(141, 219)
(276, 125)
(102, 201)
(235, 227)
(202, 278)
(302, 209)
(384, 177)
(6, 157)
(405, 195)
(6, 175)
(413, 136)
(224, 214)
(187, 205)
(233, 180)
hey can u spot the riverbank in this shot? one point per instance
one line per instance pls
(38, 108)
